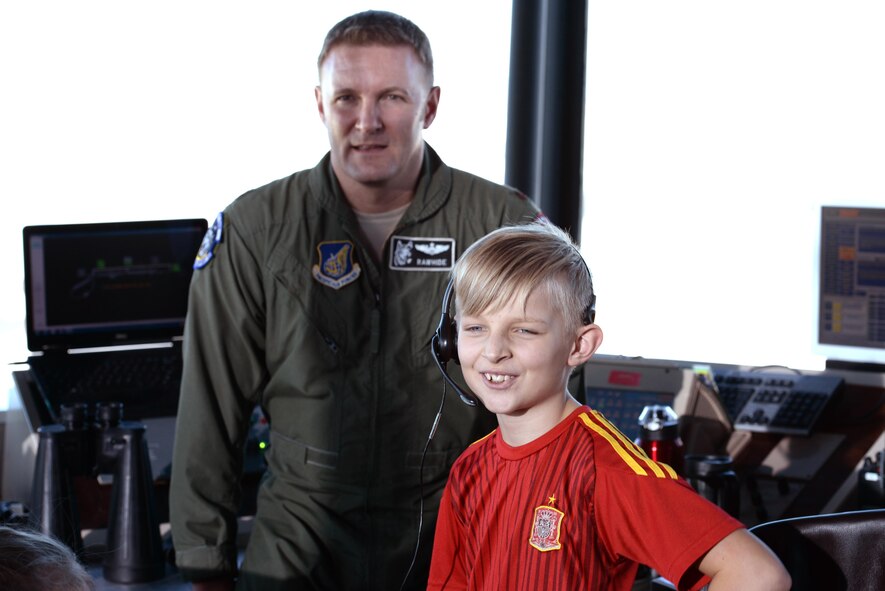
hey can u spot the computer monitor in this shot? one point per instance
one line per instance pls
(851, 310)
(101, 284)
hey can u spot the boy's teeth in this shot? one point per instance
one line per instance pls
(495, 378)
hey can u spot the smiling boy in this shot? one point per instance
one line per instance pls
(556, 498)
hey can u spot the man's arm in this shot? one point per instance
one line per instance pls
(741, 561)
(223, 369)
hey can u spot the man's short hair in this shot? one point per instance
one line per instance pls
(379, 27)
(510, 263)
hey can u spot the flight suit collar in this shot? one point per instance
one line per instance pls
(432, 191)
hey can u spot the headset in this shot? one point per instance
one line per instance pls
(444, 344)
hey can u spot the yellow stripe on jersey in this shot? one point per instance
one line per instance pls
(637, 451)
(658, 468)
(628, 459)
(483, 438)
(670, 471)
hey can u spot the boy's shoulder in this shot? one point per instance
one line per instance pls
(614, 452)
(465, 461)
(609, 450)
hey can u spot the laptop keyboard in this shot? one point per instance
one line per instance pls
(146, 381)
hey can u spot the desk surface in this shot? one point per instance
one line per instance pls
(171, 582)
(94, 540)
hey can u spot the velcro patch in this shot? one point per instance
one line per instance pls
(335, 267)
(210, 242)
(414, 253)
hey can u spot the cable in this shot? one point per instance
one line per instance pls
(442, 404)
(765, 368)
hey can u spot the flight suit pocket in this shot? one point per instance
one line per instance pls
(293, 458)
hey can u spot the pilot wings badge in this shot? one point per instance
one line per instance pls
(336, 267)
(432, 249)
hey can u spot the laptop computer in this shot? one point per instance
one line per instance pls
(105, 311)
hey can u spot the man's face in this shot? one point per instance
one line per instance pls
(375, 101)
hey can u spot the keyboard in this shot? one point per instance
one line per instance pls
(766, 402)
(146, 381)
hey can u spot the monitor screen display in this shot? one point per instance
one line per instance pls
(111, 283)
(851, 309)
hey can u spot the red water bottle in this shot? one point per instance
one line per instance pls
(659, 436)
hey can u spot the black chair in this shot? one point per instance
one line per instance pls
(835, 551)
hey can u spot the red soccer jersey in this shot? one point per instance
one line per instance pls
(578, 508)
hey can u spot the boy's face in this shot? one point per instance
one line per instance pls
(517, 359)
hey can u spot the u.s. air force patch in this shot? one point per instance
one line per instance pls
(210, 242)
(336, 267)
(411, 253)
(546, 527)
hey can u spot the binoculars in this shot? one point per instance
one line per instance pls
(85, 444)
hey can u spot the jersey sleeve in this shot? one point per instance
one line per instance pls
(659, 521)
(223, 371)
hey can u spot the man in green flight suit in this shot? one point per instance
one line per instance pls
(316, 297)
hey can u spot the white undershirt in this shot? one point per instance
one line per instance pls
(377, 227)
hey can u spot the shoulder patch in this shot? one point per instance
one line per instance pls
(210, 242)
(416, 253)
(335, 267)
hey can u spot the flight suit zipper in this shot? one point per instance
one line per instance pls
(375, 326)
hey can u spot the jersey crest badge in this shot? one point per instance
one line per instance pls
(336, 267)
(210, 242)
(546, 527)
(411, 253)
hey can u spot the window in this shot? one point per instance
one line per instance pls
(128, 111)
(714, 134)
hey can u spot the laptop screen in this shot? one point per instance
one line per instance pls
(92, 285)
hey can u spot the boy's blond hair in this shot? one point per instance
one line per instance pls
(33, 561)
(510, 263)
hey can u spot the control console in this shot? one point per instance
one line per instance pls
(787, 403)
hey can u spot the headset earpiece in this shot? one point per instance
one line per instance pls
(446, 339)
(444, 346)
